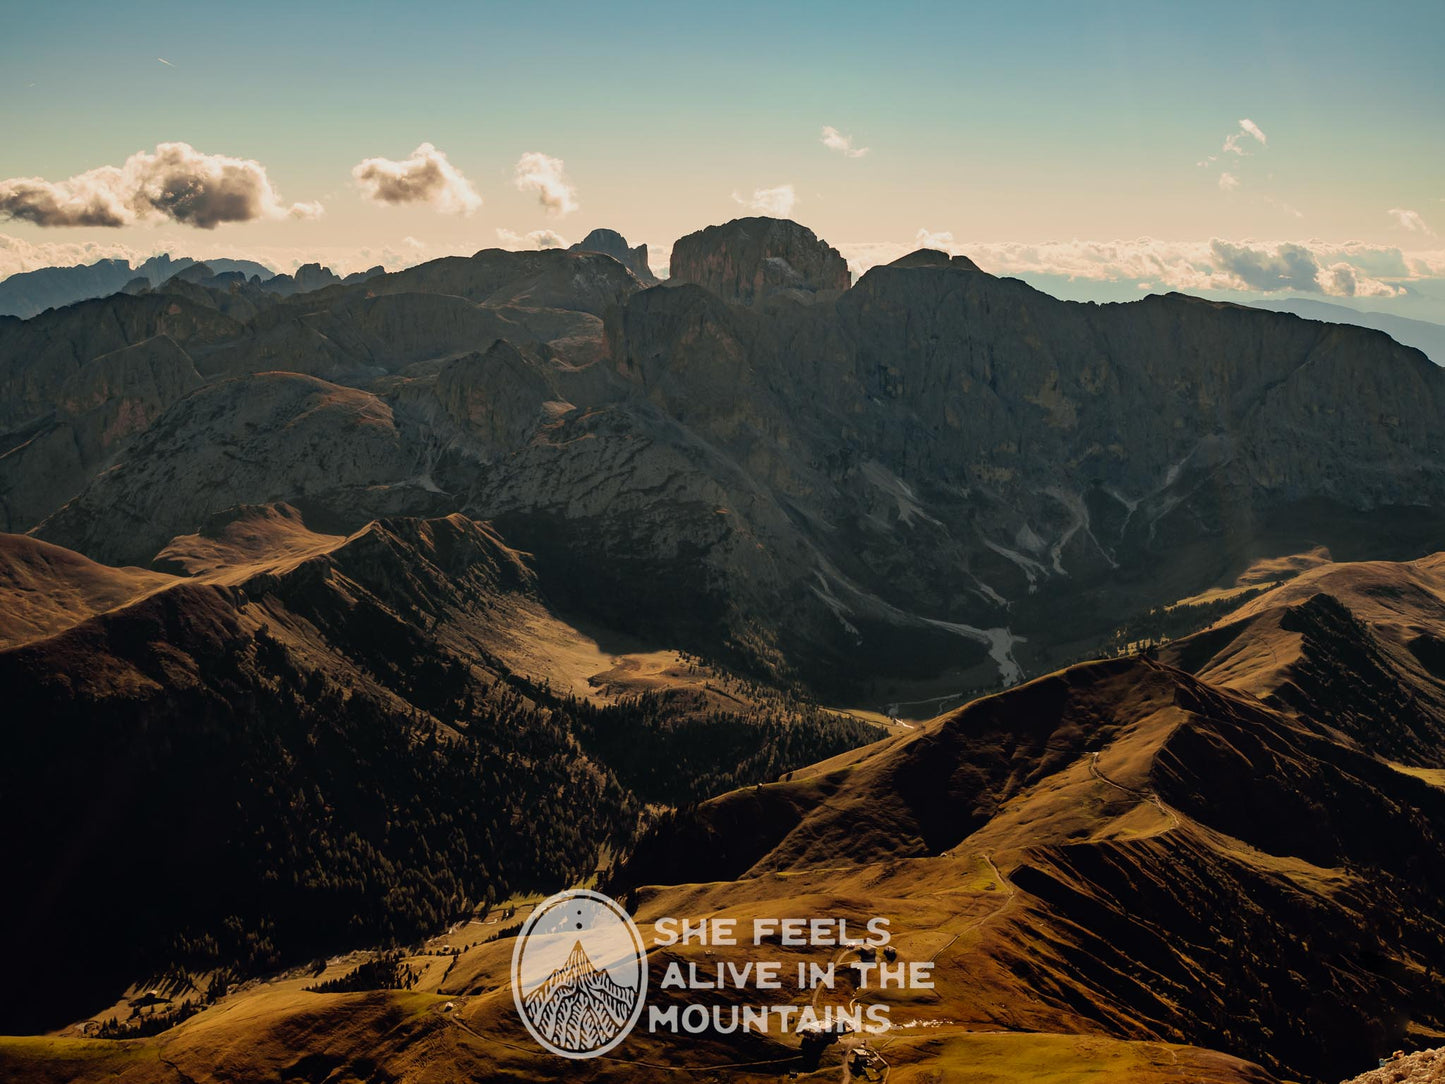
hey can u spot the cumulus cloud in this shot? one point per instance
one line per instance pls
(176, 183)
(1234, 143)
(425, 177)
(1410, 220)
(835, 140)
(777, 202)
(1286, 267)
(1351, 269)
(1228, 182)
(543, 174)
(537, 239)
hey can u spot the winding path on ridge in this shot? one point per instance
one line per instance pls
(1142, 795)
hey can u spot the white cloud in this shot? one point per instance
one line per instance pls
(543, 174)
(659, 258)
(537, 239)
(1349, 269)
(1228, 182)
(1410, 220)
(425, 177)
(942, 241)
(835, 140)
(1234, 142)
(1289, 209)
(777, 202)
(176, 183)
(18, 254)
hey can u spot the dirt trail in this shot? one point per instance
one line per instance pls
(1142, 795)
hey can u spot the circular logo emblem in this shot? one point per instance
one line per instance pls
(579, 974)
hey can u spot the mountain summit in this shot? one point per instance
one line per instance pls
(750, 259)
(611, 243)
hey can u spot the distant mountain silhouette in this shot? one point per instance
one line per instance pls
(32, 292)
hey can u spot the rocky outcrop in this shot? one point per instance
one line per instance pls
(932, 257)
(496, 396)
(308, 277)
(95, 411)
(312, 276)
(246, 441)
(611, 243)
(1420, 1067)
(577, 282)
(750, 259)
(38, 356)
(125, 391)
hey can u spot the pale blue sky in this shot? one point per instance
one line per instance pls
(995, 123)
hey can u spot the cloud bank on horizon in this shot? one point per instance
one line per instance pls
(179, 185)
(1348, 269)
(1352, 269)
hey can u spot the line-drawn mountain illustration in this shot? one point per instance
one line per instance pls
(578, 1007)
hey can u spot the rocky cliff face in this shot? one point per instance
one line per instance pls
(497, 396)
(248, 441)
(611, 243)
(933, 471)
(750, 259)
(98, 408)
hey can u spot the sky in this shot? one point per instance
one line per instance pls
(1253, 148)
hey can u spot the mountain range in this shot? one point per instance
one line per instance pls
(932, 478)
(335, 613)
(29, 293)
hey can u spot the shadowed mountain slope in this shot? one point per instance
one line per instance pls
(308, 742)
(1246, 856)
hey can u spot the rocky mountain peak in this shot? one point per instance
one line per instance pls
(496, 395)
(932, 257)
(611, 243)
(312, 276)
(749, 259)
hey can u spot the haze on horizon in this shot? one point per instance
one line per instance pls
(1101, 150)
